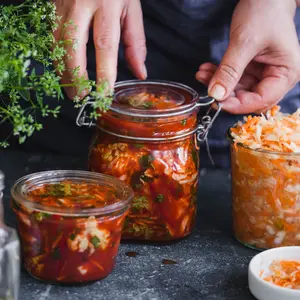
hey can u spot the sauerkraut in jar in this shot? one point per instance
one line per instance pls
(147, 139)
(265, 157)
(70, 224)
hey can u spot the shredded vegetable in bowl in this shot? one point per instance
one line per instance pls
(265, 158)
(283, 273)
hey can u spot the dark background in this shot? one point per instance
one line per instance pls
(180, 35)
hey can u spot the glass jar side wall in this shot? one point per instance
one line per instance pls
(68, 249)
(144, 127)
(266, 198)
(164, 177)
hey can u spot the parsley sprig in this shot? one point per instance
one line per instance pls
(27, 40)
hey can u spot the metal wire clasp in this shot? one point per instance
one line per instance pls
(204, 127)
(82, 118)
(207, 122)
(209, 102)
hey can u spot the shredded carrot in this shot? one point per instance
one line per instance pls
(274, 131)
(97, 265)
(60, 276)
(284, 273)
(57, 240)
(37, 259)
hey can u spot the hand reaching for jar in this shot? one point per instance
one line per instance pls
(110, 20)
(262, 62)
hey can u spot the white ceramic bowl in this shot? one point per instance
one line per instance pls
(263, 290)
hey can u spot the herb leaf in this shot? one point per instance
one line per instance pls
(160, 198)
(138, 146)
(27, 39)
(95, 241)
(148, 104)
(40, 216)
(140, 203)
(141, 230)
(58, 190)
(146, 160)
(72, 236)
(183, 122)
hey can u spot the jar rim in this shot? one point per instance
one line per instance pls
(23, 184)
(157, 113)
(283, 154)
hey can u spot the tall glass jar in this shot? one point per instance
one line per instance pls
(265, 197)
(148, 140)
(9, 256)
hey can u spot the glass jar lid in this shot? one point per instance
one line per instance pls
(72, 193)
(153, 98)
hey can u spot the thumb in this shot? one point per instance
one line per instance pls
(239, 54)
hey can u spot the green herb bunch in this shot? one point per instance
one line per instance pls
(26, 36)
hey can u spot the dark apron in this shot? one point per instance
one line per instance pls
(180, 35)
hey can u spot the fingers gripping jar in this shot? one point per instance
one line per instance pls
(149, 140)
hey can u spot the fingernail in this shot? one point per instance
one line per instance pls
(218, 92)
(144, 72)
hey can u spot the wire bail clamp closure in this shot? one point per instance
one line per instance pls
(82, 118)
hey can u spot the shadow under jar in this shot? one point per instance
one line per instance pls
(70, 224)
(148, 139)
(265, 197)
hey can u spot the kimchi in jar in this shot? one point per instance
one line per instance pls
(70, 224)
(147, 139)
(265, 154)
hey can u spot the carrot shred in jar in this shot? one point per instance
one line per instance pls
(283, 273)
(66, 248)
(265, 157)
(274, 131)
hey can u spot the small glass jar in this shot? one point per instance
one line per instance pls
(265, 197)
(70, 224)
(148, 140)
(9, 256)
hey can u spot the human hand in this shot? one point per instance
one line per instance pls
(110, 20)
(262, 62)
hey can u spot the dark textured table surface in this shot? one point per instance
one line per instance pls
(211, 264)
